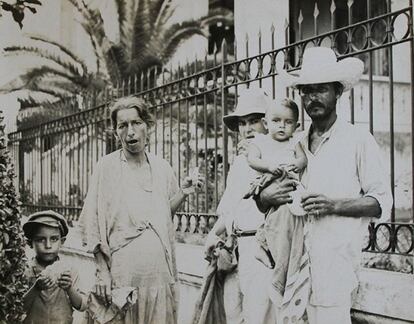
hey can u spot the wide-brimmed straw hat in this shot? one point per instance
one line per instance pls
(320, 65)
(46, 218)
(249, 101)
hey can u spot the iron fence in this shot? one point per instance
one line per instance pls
(54, 161)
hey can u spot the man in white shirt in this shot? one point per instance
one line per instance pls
(246, 297)
(345, 181)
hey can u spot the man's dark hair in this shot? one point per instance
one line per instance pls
(338, 86)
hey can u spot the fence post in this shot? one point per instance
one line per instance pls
(41, 159)
(224, 108)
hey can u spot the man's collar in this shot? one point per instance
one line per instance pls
(328, 133)
(305, 136)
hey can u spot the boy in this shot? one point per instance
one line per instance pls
(53, 291)
(277, 156)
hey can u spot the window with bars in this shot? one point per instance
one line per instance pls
(221, 29)
(307, 22)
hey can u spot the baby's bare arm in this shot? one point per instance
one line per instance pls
(254, 158)
(300, 161)
(255, 161)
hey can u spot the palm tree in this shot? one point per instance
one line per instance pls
(146, 41)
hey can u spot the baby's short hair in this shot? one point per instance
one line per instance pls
(288, 103)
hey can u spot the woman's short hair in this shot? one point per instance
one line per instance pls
(129, 102)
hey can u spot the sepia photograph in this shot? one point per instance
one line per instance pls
(206, 162)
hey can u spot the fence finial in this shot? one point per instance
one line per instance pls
(333, 6)
(316, 10)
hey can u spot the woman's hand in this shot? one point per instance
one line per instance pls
(211, 243)
(103, 286)
(243, 147)
(192, 183)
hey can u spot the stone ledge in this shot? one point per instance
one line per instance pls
(383, 297)
(386, 293)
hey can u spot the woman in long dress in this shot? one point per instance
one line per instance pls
(127, 222)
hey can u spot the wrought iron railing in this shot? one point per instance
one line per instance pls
(54, 161)
(391, 238)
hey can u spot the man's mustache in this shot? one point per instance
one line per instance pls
(314, 104)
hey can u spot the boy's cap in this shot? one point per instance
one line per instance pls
(48, 218)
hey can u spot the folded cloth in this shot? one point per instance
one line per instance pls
(285, 235)
(259, 183)
(296, 205)
(209, 308)
(121, 299)
(226, 258)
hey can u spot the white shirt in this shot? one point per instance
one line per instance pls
(242, 212)
(347, 164)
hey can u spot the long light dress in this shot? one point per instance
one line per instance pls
(132, 226)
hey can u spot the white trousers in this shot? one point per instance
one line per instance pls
(246, 291)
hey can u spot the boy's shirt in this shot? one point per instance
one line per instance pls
(51, 305)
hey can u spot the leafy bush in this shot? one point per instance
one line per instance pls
(13, 283)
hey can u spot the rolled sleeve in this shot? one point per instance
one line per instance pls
(373, 176)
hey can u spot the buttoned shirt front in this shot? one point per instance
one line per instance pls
(346, 165)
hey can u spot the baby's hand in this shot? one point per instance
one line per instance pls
(276, 170)
(243, 147)
(65, 280)
(292, 168)
(44, 282)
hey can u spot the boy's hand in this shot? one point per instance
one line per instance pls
(65, 280)
(44, 282)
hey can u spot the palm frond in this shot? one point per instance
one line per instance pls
(71, 67)
(178, 35)
(126, 17)
(163, 10)
(44, 70)
(62, 48)
(93, 25)
(36, 98)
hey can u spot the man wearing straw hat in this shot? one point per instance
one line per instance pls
(246, 298)
(346, 185)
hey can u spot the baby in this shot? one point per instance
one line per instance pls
(277, 156)
(53, 291)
